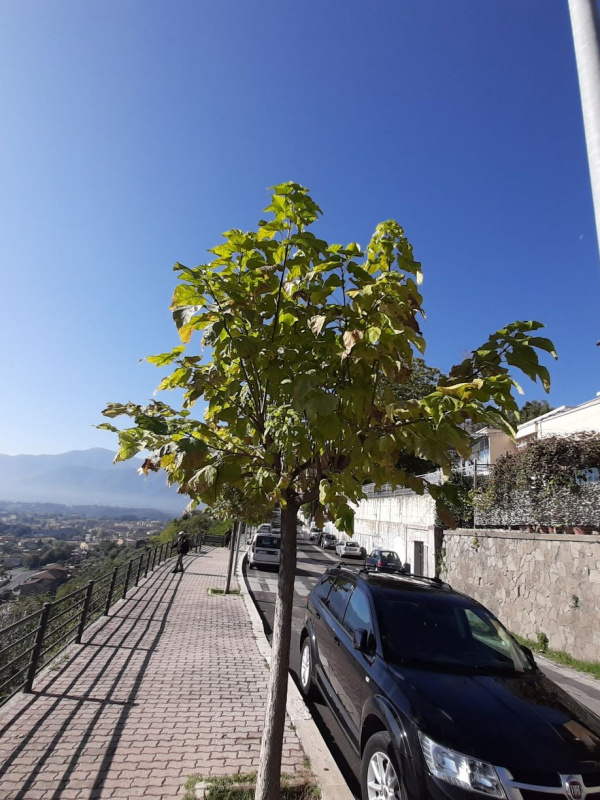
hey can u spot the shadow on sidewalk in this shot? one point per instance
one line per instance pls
(153, 603)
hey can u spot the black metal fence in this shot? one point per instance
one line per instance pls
(28, 645)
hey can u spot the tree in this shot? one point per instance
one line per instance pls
(534, 408)
(302, 344)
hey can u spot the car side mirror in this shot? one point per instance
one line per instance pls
(360, 639)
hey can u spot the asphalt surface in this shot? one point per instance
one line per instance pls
(20, 577)
(311, 564)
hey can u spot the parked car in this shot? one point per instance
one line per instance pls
(264, 528)
(328, 541)
(436, 697)
(315, 534)
(348, 549)
(381, 560)
(265, 548)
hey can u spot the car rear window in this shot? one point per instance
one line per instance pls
(268, 541)
(389, 557)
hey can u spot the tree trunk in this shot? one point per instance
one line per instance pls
(241, 532)
(269, 770)
(232, 541)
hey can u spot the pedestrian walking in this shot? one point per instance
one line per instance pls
(183, 548)
(227, 538)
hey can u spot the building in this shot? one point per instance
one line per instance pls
(561, 421)
(399, 520)
(48, 580)
(489, 444)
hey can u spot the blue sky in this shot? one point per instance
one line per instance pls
(134, 132)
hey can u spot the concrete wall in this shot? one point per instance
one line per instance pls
(534, 583)
(396, 520)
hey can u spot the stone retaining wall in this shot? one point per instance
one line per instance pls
(534, 583)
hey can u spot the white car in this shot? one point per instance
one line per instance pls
(264, 528)
(265, 548)
(348, 549)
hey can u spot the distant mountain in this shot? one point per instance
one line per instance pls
(85, 477)
(93, 511)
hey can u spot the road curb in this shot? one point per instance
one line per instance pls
(326, 771)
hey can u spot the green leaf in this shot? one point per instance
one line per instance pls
(204, 479)
(287, 318)
(320, 404)
(130, 444)
(106, 426)
(163, 359)
(373, 335)
(329, 426)
(186, 295)
(178, 379)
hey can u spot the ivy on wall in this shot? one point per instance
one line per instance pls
(553, 481)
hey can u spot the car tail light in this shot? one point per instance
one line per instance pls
(253, 547)
(380, 563)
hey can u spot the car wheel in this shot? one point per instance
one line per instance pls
(379, 771)
(306, 670)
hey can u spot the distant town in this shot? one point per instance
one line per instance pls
(43, 545)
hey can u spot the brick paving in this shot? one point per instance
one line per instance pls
(170, 684)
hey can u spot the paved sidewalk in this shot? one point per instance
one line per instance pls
(171, 684)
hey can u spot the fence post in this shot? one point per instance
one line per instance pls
(111, 590)
(161, 554)
(84, 612)
(126, 584)
(154, 552)
(139, 570)
(37, 648)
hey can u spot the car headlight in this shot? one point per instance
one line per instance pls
(460, 770)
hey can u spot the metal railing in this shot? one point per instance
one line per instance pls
(30, 644)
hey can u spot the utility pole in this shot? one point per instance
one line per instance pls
(585, 23)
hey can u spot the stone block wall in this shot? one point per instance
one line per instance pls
(534, 583)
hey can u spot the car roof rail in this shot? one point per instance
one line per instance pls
(437, 581)
(400, 574)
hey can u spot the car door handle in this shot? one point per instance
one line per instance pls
(317, 615)
(336, 640)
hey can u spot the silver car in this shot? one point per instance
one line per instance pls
(348, 549)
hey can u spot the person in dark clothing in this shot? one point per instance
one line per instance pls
(227, 538)
(183, 548)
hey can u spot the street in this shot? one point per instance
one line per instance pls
(311, 564)
(20, 575)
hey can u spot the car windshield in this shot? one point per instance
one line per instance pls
(443, 633)
(268, 541)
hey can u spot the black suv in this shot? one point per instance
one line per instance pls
(437, 698)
